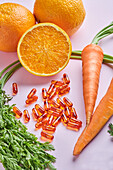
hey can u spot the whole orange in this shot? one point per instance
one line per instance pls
(67, 14)
(14, 21)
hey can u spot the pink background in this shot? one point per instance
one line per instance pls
(98, 155)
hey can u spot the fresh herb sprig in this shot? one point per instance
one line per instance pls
(110, 131)
(19, 149)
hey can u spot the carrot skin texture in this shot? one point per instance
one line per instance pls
(101, 115)
(92, 57)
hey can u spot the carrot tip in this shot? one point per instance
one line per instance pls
(75, 157)
(88, 118)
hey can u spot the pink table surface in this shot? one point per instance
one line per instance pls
(98, 155)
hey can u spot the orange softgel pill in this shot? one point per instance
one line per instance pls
(52, 95)
(35, 114)
(61, 103)
(38, 125)
(64, 91)
(76, 121)
(39, 109)
(56, 121)
(14, 89)
(26, 116)
(32, 93)
(57, 83)
(64, 119)
(73, 126)
(67, 102)
(17, 112)
(47, 137)
(42, 117)
(46, 105)
(49, 129)
(55, 114)
(31, 100)
(66, 79)
(73, 112)
(54, 103)
(51, 89)
(67, 112)
(44, 93)
(50, 120)
(54, 109)
(61, 87)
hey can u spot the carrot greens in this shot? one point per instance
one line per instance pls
(19, 149)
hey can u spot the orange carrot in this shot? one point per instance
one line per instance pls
(101, 115)
(92, 57)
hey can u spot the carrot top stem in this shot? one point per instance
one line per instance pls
(6, 68)
(103, 33)
(8, 74)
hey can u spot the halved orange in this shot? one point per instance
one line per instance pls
(44, 49)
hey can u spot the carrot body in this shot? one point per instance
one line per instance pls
(92, 57)
(101, 115)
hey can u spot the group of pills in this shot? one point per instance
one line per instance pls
(53, 112)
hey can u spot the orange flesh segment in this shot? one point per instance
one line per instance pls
(44, 50)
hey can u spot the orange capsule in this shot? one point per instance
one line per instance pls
(55, 114)
(35, 114)
(64, 91)
(44, 93)
(50, 120)
(66, 79)
(57, 83)
(45, 120)
(31, 100)
(73, 112)
(17, 112)
(46, 105)
(49, 129)
(39, 109)
(38, 125)
(64, 119)
(56, 121)
(14, 88)
(32, 93)
(67, 102)
(73, 126)
(46, 137)
(54, 109)
(67, 112)
(62, 105)
(26, 116)
(76, 121)
(54, 103)
(61, 87)
(52, 95)
(42, 117)
(51, 89)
